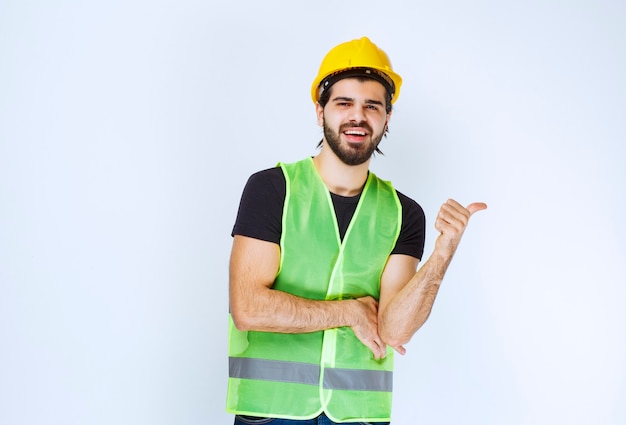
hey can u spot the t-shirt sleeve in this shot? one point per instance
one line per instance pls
(413, 230)
(261, 206)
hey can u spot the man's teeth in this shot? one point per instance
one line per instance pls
(355, 133)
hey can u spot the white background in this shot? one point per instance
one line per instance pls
(128, 129)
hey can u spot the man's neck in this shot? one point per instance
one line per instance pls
(340, 178)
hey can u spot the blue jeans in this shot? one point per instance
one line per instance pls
(320, 420)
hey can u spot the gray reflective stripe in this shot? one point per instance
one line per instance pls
(358, 379)
(273, 370)
(306, 373)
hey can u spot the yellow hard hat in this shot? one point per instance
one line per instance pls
(356, 58)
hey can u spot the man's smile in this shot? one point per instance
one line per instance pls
(355, 134)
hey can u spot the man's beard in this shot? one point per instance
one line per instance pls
(352, 153)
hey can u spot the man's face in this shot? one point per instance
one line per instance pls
(354, 119)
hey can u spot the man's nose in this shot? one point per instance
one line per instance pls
(356, 114)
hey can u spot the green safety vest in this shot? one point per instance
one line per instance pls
(299, 376)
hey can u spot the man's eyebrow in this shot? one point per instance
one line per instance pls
(343, 98)
(350, 99)
(374, 102)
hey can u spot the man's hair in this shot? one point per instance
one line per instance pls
(325, 97)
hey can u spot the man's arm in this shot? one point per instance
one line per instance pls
(254, 305)
(407, 296)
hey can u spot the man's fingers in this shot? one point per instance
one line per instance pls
(476, 206)
(453, 212)
(400, 349)
(379, 349)
(374, 348)
(453, 219)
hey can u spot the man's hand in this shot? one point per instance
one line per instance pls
(366, 326)
(451, 223)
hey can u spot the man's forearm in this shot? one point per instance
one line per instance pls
(270, 310)
(411, 306)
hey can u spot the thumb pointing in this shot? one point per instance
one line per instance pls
(476, 206)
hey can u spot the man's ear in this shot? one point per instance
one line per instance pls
(387, 124)
(319, 111)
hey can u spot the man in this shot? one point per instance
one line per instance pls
(323, 280)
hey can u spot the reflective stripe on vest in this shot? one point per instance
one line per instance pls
(309, 374)
(299, 376)
(273, 370)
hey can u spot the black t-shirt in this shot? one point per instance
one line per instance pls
(261, 208)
